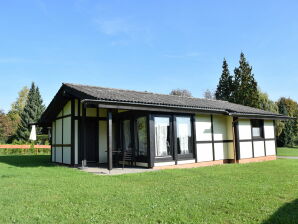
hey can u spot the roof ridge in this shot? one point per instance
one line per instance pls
(146, 92)
(203, 100)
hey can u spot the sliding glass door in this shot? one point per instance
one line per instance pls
(162, 131)
(173, 137)
(184, 142)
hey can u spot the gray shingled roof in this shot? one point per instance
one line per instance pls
(148, 98)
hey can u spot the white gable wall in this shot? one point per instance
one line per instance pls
(251, 148)
(61, 136)
(222, 135)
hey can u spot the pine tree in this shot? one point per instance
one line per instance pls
(225, 86)
(246, 87)
(31, 113)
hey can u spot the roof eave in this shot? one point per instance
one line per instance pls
(260, 116)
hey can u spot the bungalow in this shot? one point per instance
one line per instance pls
(96, 126)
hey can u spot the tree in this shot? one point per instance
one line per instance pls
(208, 94)
(181, 92)
(17, 107)
(224, 88)
(31, 113)
(20, 102)
(288, 107)
(264, 103)
(5, 127)
(245, 86)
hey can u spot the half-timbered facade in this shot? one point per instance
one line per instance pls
(95, 126)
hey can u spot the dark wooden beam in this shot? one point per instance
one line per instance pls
(193, 133)
(157, 109)
(110, 140)
(175, 149)
(84, 151)
(236, 134)
(73, 132)
(252, 140)
(151, 141)
(212, 137)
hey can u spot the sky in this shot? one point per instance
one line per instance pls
(155, 45)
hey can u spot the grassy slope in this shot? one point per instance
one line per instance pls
(287, 151)
(33, 191)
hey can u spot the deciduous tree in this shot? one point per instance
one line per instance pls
(181, 92)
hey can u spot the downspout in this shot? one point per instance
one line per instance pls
(234, 139)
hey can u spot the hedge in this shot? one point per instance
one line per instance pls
(25, 149)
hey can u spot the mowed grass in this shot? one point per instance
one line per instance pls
(34, 191)
(286, 151)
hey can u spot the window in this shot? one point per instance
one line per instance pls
(184, 138)
(127, 144)
(162, 136)
(142, 136)
(257, 128)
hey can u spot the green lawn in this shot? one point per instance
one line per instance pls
(287, 151)
(34, 191)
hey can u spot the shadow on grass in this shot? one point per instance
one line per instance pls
(288, 213)
(26, 160)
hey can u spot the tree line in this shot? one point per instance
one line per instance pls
(242, 88)
(26, 110)
(239, 87)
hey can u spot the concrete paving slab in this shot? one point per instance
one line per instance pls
(115, 171)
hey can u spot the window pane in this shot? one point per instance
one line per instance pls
(162, 136)
(142, 136)
(126, 135)
(256, 132)
(184, 145)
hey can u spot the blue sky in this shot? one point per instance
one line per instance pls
(154, 45)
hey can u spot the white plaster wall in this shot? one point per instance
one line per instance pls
(270, 148)
(220, 127)
(67, 108)
(164, 164)
(67, 130)
(245, 150)
(76, 143)
(102, 112)
(59, 154)
(244, 129)
(259, 148)
(203, 127)
(102, 139)
(91, 112)
(221, 151)
(76, 107)
(59, 131)
(229, 126)
(186, 161)
(269, 129)
(66, 155)
(230, 147)
(204, 152)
